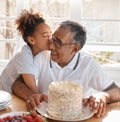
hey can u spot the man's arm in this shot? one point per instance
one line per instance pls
(113, 93)
(29, 80)
(20, 89)
(32, 99)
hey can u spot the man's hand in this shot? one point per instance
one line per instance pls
(97, 103)
(34, 100)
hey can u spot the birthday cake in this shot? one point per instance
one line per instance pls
(64, 100)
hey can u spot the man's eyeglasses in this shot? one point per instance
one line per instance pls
(58, 43)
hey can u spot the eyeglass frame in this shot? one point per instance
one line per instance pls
(58, 43)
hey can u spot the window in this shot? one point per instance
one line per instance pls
(7, 28)
(101, 19)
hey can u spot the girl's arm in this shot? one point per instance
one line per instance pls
(29, 80)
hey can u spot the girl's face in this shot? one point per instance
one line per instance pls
(40, 39)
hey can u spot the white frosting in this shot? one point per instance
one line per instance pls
(64, 100)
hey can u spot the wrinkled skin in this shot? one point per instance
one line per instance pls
(97, 103)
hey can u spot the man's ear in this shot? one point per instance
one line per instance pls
(76, 48)
(31, 40)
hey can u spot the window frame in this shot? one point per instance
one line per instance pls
(75, 7)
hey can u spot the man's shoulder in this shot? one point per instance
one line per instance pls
(89, 60)
(85, 56)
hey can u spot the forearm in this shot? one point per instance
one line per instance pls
(21, 90)
(113, 94)
(29, 80)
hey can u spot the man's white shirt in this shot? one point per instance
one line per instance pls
(82, 70)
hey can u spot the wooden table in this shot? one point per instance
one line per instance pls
(112, 114)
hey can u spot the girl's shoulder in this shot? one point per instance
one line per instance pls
(25, 48)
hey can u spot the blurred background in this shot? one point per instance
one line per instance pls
(101, 19)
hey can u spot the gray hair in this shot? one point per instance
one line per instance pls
(78, 30)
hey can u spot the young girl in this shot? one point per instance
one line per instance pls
(35, 32)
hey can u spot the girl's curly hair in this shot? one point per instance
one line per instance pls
(27, 23)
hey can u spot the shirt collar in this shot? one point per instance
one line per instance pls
(72, 65)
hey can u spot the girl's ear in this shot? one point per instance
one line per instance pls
(31, 40)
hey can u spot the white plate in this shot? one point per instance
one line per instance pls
(4, 96)
(13, 114)
(5, 105)
(86, 113)
(5, 99)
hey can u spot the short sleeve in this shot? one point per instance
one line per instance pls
(24, 61)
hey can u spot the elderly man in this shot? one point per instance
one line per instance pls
(66, 62)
